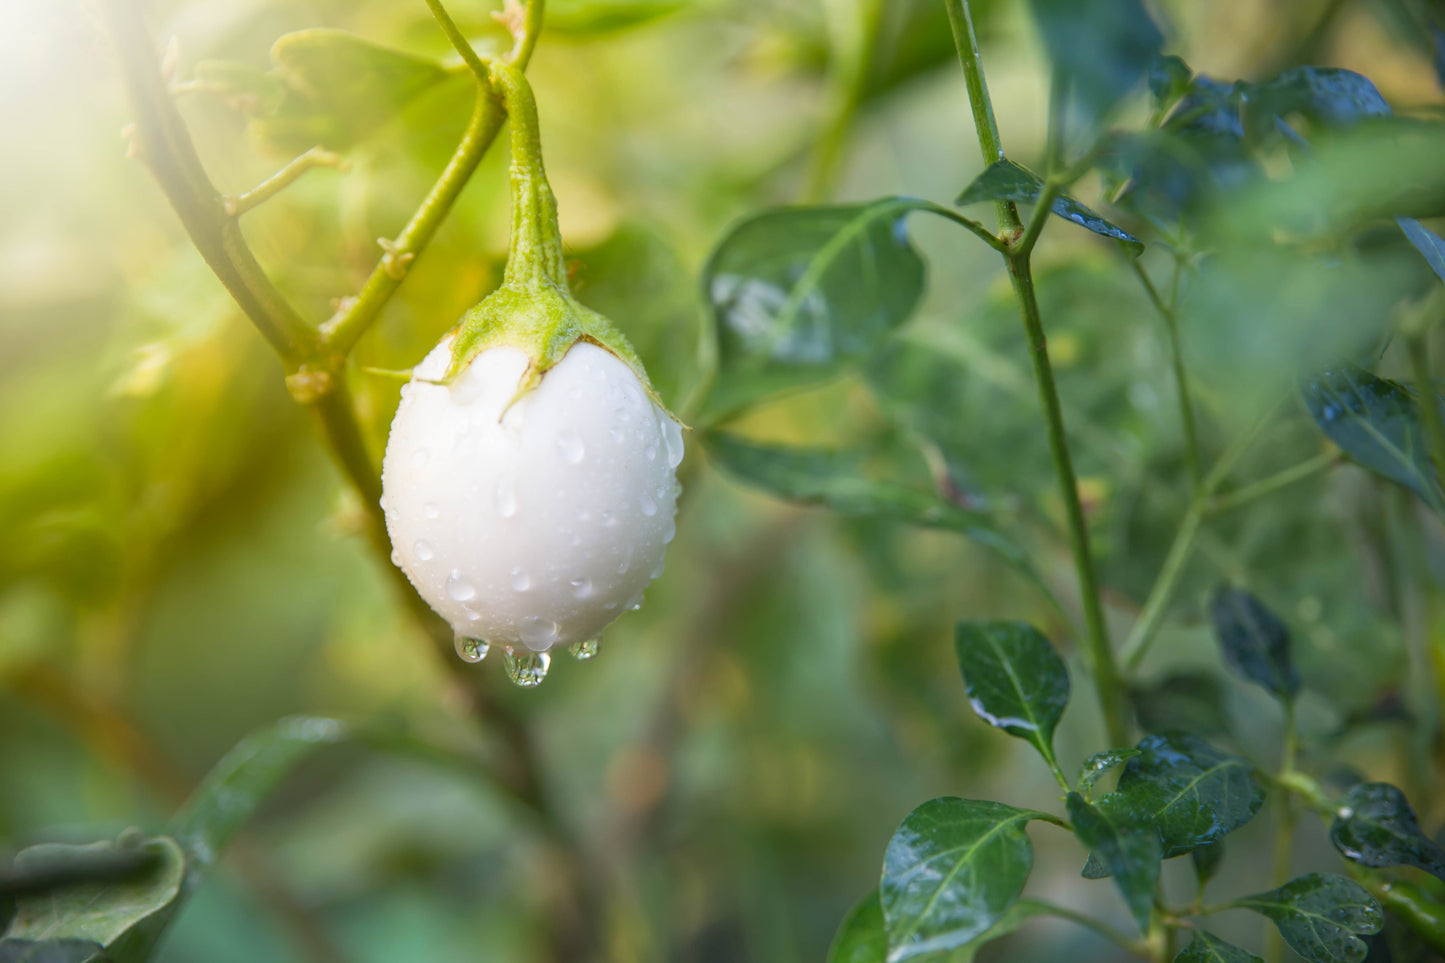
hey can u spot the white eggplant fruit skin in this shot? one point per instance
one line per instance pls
(534, 525)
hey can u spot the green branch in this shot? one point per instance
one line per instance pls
(965, 38)
(1181, 376)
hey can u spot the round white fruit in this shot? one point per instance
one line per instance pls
(536, 524)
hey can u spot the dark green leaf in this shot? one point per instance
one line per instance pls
(1187, 701)
(952, 870)
(1326, 95)
(1321, 916)
(1125, 844)
(98, 911)
(1169, 78)
(1207, 948)
(1006, 181)
(1430, 245)
(50, 951)
(227, 797)
(1206, 860)
(798, 293)
(1193, 792)
(1015, 680)
(1377, 423)
(861, 938)
(835, 480)
(1375, 826)
(1101, 47)
(1099, 763)
(1254, 641)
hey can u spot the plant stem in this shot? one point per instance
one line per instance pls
(238, 204)
(1114, 936)
(965, 38)
(1284, 829)
(1101, 656)
(1279, 480)
(1181, 376)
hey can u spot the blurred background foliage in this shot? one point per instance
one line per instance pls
(177, 566)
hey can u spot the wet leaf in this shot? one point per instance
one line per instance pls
(835, 480)
(1194, 793)
(101, 911)
(1103, 48)
(1430, 245)
(799, 293)
(952, 870)
(1207, 948)
(1015, 680)
(1255, 641)
(1006, 181)
(1098, 764)
(1125, 844)
(1375, 826)
(1377, 423)
(1321, 916)
(861, 938)
(1326, 95)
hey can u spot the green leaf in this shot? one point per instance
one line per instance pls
(1377, 423)
(799, 293)
(228, 797)
(51, 951)
(1004, 180)
(1195, 794)
(1207, 948)
(1326, 95)
(1321, 916)
(835, 481)
(97, 911)
(1430, 245)
(328, 87)
(603, 16)
(1102, 48)
(1375, 826)
(952, 870)
(1015, 680)
(861, 938)
(1255, 641)
(1185, 701)
(1206, 860)
(1099, 763)
(1125, 844)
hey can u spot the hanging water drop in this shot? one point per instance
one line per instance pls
(582, 651)
(472, 650)
(528, 669)
(672, 438)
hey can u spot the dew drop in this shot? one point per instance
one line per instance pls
(423, 551)
(571, 447)
(431, 510)
(649, 504)
(521, 581)
(537, 631)
(459, 588)
(528, 669)
(395, 558)
(471, 649)
(617, 434)
(670, 531)
(581, 588)
(506, 498)
(608, 520)
(657, 570)
(583, 651)
(672, 439)
(651, 452)
(635, 603)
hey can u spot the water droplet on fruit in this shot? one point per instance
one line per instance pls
(395, 557)
(608, 520)
(583, 514)
(459, 588)
(506, 498)
(657, 570)
(431, 510)
(571, 446)
(470, 649)
(649, 504)
(651, 452)
(581, 588)
(617, 434)
(527, 669)
(423, 551)
(520, 580)
(672, 438)
(537, 631)
(583, 651)
(635, 603)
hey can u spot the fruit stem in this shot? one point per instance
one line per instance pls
(535, 259)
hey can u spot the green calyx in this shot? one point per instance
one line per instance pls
(533, 309)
